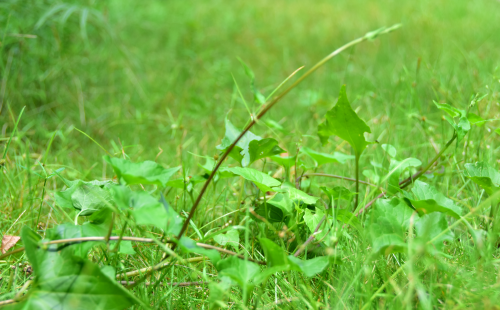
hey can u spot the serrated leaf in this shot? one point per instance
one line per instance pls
(258, 149)
(428, 199)
(343, 122)
(389, 149)
(263, 181)
(484, 175)
(231, 237)
(146, 172)
(325, 158)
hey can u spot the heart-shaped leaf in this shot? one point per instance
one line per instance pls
(343, 122)
(428, 199)
(484, 175)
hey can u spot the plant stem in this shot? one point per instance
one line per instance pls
(265, 109)
(412, 178)
(356, 197)
(336, 177)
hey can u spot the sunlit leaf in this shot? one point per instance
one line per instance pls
(310, 267)
(484, 175)
(389, 149)
(146, 172)
(428, 199)
(325, 158)
(275, 255)
(258, 149)
(231, 237)
(343, 122)
(263, 181)
(87, 197)
(430, 226)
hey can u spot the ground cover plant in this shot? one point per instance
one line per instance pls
(355, 181)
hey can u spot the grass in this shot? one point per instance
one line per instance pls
(155, 81)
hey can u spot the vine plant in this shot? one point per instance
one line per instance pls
(65, 277)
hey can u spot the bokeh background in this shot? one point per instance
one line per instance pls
(150, 74)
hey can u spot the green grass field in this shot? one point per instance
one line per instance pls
(156, 80)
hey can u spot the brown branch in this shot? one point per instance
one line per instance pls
(156, 267)
(166, 283)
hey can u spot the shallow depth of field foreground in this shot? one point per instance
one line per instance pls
(249, 154)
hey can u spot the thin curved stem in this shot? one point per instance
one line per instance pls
(265, 109)
(336, 177)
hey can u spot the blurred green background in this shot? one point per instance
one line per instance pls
(152, 74)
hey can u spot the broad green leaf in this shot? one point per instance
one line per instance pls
(396, 169)
(146, 172)
(242, 272)
(475, 119)
(275, 255)
(69, 230)
(386, 225)
(453, 112)
(389, 149)
(263, 181)
(258, 149)
(310, 267)
(286, 161)
(274, 214)
(313, 219)
(343, 122)
(484, 175)
(428, 199)
(87, 197)
(431, 225)
(338, 192)
(297, 194)
(189, 246)
(63, 281)
(325, 158)
(241, 149)
(283, 202)
(147, 210)
(232, 237)
(347, 217)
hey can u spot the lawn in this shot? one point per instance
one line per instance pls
(317, 207)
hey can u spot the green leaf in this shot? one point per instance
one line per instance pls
(347, 217)
(477, 120)
(146, 172)
(462, 128)
(310, 267)
(263, 181)
(389, 149)
(297, 194)
(147, 210)
(189, 246)
(69, 230)
(371, 175)
(258, 149)
(242, 272)
(453, 112)
(484, 175)
(324, 158)
(274, 214)
(287, 161)
(343, 122)
(396, 169)
(87, 197)
(428, 199)
(431, 225)
(386, 225)
(275, 255)
(312, 220)
(338, 192)
(282, 202)
(240, 152)
(64, 281)
(232, 237)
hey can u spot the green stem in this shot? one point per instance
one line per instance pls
(357, 183)
(266, 108)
